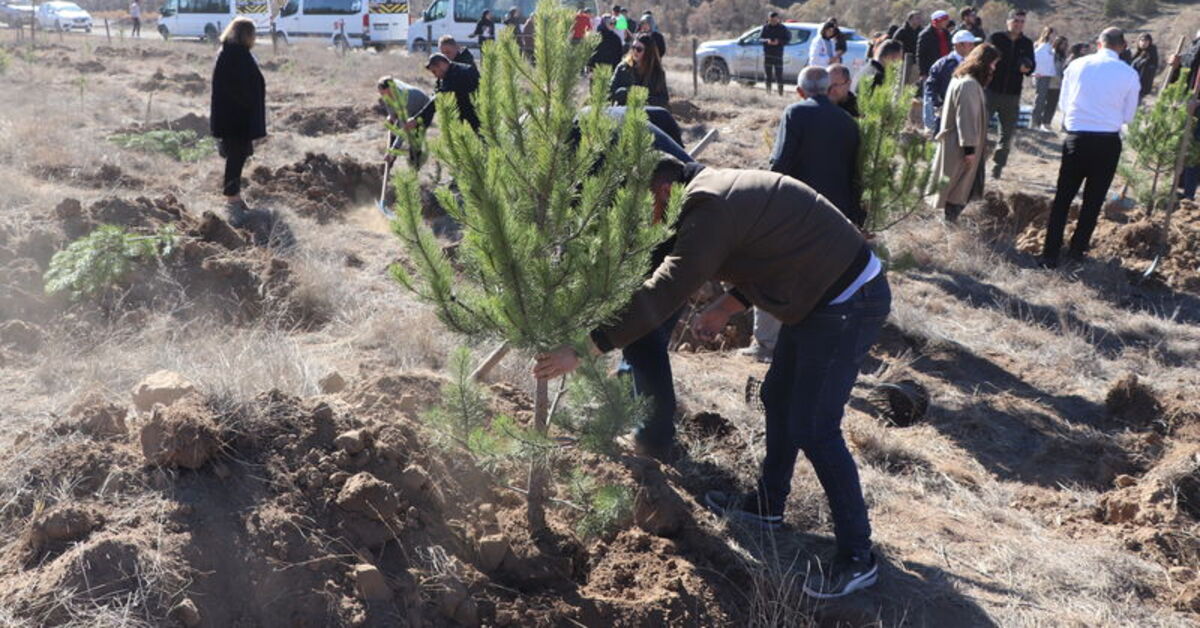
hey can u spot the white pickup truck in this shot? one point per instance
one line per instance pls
(15, 15)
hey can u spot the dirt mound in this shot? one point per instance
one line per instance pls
(212, 269)
(320, 187)
(1126, 235)
(1168, 494)
(187, 83)
(1134, 403)
(138, 52)
(312, 516)
(107, 176)
(317, 121)
(195, 123)
(89, 67)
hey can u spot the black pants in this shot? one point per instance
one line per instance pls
(1085, 156)
(235, 152)
(774, 69)
(137, 27)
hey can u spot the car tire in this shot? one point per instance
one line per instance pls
(715, 71)
(280, 39)
(420, 45)
(340, 43)
(210, 33)
(164, 32)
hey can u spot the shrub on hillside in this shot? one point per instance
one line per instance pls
(182, 145)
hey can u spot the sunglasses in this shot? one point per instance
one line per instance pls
(639, 48)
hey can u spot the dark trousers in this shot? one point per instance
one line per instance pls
(235, 152)
(1008, 108)
(774, 66)
(1088, 160)
(648, 360)
(812, 372)
(137, 27)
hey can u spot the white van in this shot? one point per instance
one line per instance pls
(388, 23)
(345, 23)
(458, 17)
(206, 18)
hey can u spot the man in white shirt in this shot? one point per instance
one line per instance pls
(1099, 95)
(135, 14)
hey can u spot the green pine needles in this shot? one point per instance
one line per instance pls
(895, 162)
(1153, 140)
(553, 199)
(183, 145)
(102, 259)
(397, 101)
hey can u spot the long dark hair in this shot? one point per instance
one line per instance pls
(828, 25)
(978, 64)
(1060, 47)
(651, 62)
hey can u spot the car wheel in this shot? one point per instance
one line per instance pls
(340, 43)
(280, 39)
(166, 34)
(210, 33)
(420, 45)
(715, 71)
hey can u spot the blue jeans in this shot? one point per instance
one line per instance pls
(929, 115)
(648, 360)
(815, 365)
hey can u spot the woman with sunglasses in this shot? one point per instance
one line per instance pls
(641, 67)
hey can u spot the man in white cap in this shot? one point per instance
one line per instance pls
(940, 73)
(933, 43)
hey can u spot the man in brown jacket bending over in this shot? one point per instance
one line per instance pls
(787, 250)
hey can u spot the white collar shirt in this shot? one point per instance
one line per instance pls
(1099, 93)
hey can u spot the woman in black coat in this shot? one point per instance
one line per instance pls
(239, 111)
(641, 67)
(1145, 61)
(485, 29)
(608, 51)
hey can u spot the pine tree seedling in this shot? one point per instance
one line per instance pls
(895, 163)
(554, 203)
(1153, 140)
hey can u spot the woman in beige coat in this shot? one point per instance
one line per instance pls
(962, 142)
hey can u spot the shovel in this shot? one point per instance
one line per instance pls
(387, 170)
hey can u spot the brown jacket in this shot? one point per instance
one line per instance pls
(964, 123)
(779, 243)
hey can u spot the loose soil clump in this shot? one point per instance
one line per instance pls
(107, 176)
(318, 121)
(320, 187)
(329, 511)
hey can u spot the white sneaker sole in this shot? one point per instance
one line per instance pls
(857, 584)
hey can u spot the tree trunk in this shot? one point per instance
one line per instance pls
(535, 510)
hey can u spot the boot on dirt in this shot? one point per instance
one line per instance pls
(747, 508)
(238, 213)
(845, 575)
(952, 212)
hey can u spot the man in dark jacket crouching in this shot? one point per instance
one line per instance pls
(787, 250)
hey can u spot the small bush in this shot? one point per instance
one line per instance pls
(180, 145)
(102, 259)
(5, 61)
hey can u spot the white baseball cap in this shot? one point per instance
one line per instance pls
(964, 36)
(939, 15)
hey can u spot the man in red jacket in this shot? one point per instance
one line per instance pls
(583, 24)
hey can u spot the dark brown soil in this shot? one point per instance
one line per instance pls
(320, 187)
(318, 121)
(282, 525)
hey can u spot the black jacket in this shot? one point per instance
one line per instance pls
(817, 143)
(908, 37)
(462, 81)
(777, 31)
(485, 30)
(464, 57)
(850, 105)
(929, 48)
(624, 77)
(874, 72)
(608, 51)
(239, 96)
(1008, 78)
(1146, 64)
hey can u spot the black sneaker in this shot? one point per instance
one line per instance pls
(842, 577)
(747, 508)
(1049, 263)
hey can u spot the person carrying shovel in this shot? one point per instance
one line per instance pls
(394, 94)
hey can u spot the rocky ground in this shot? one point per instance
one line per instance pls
(233, 436)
